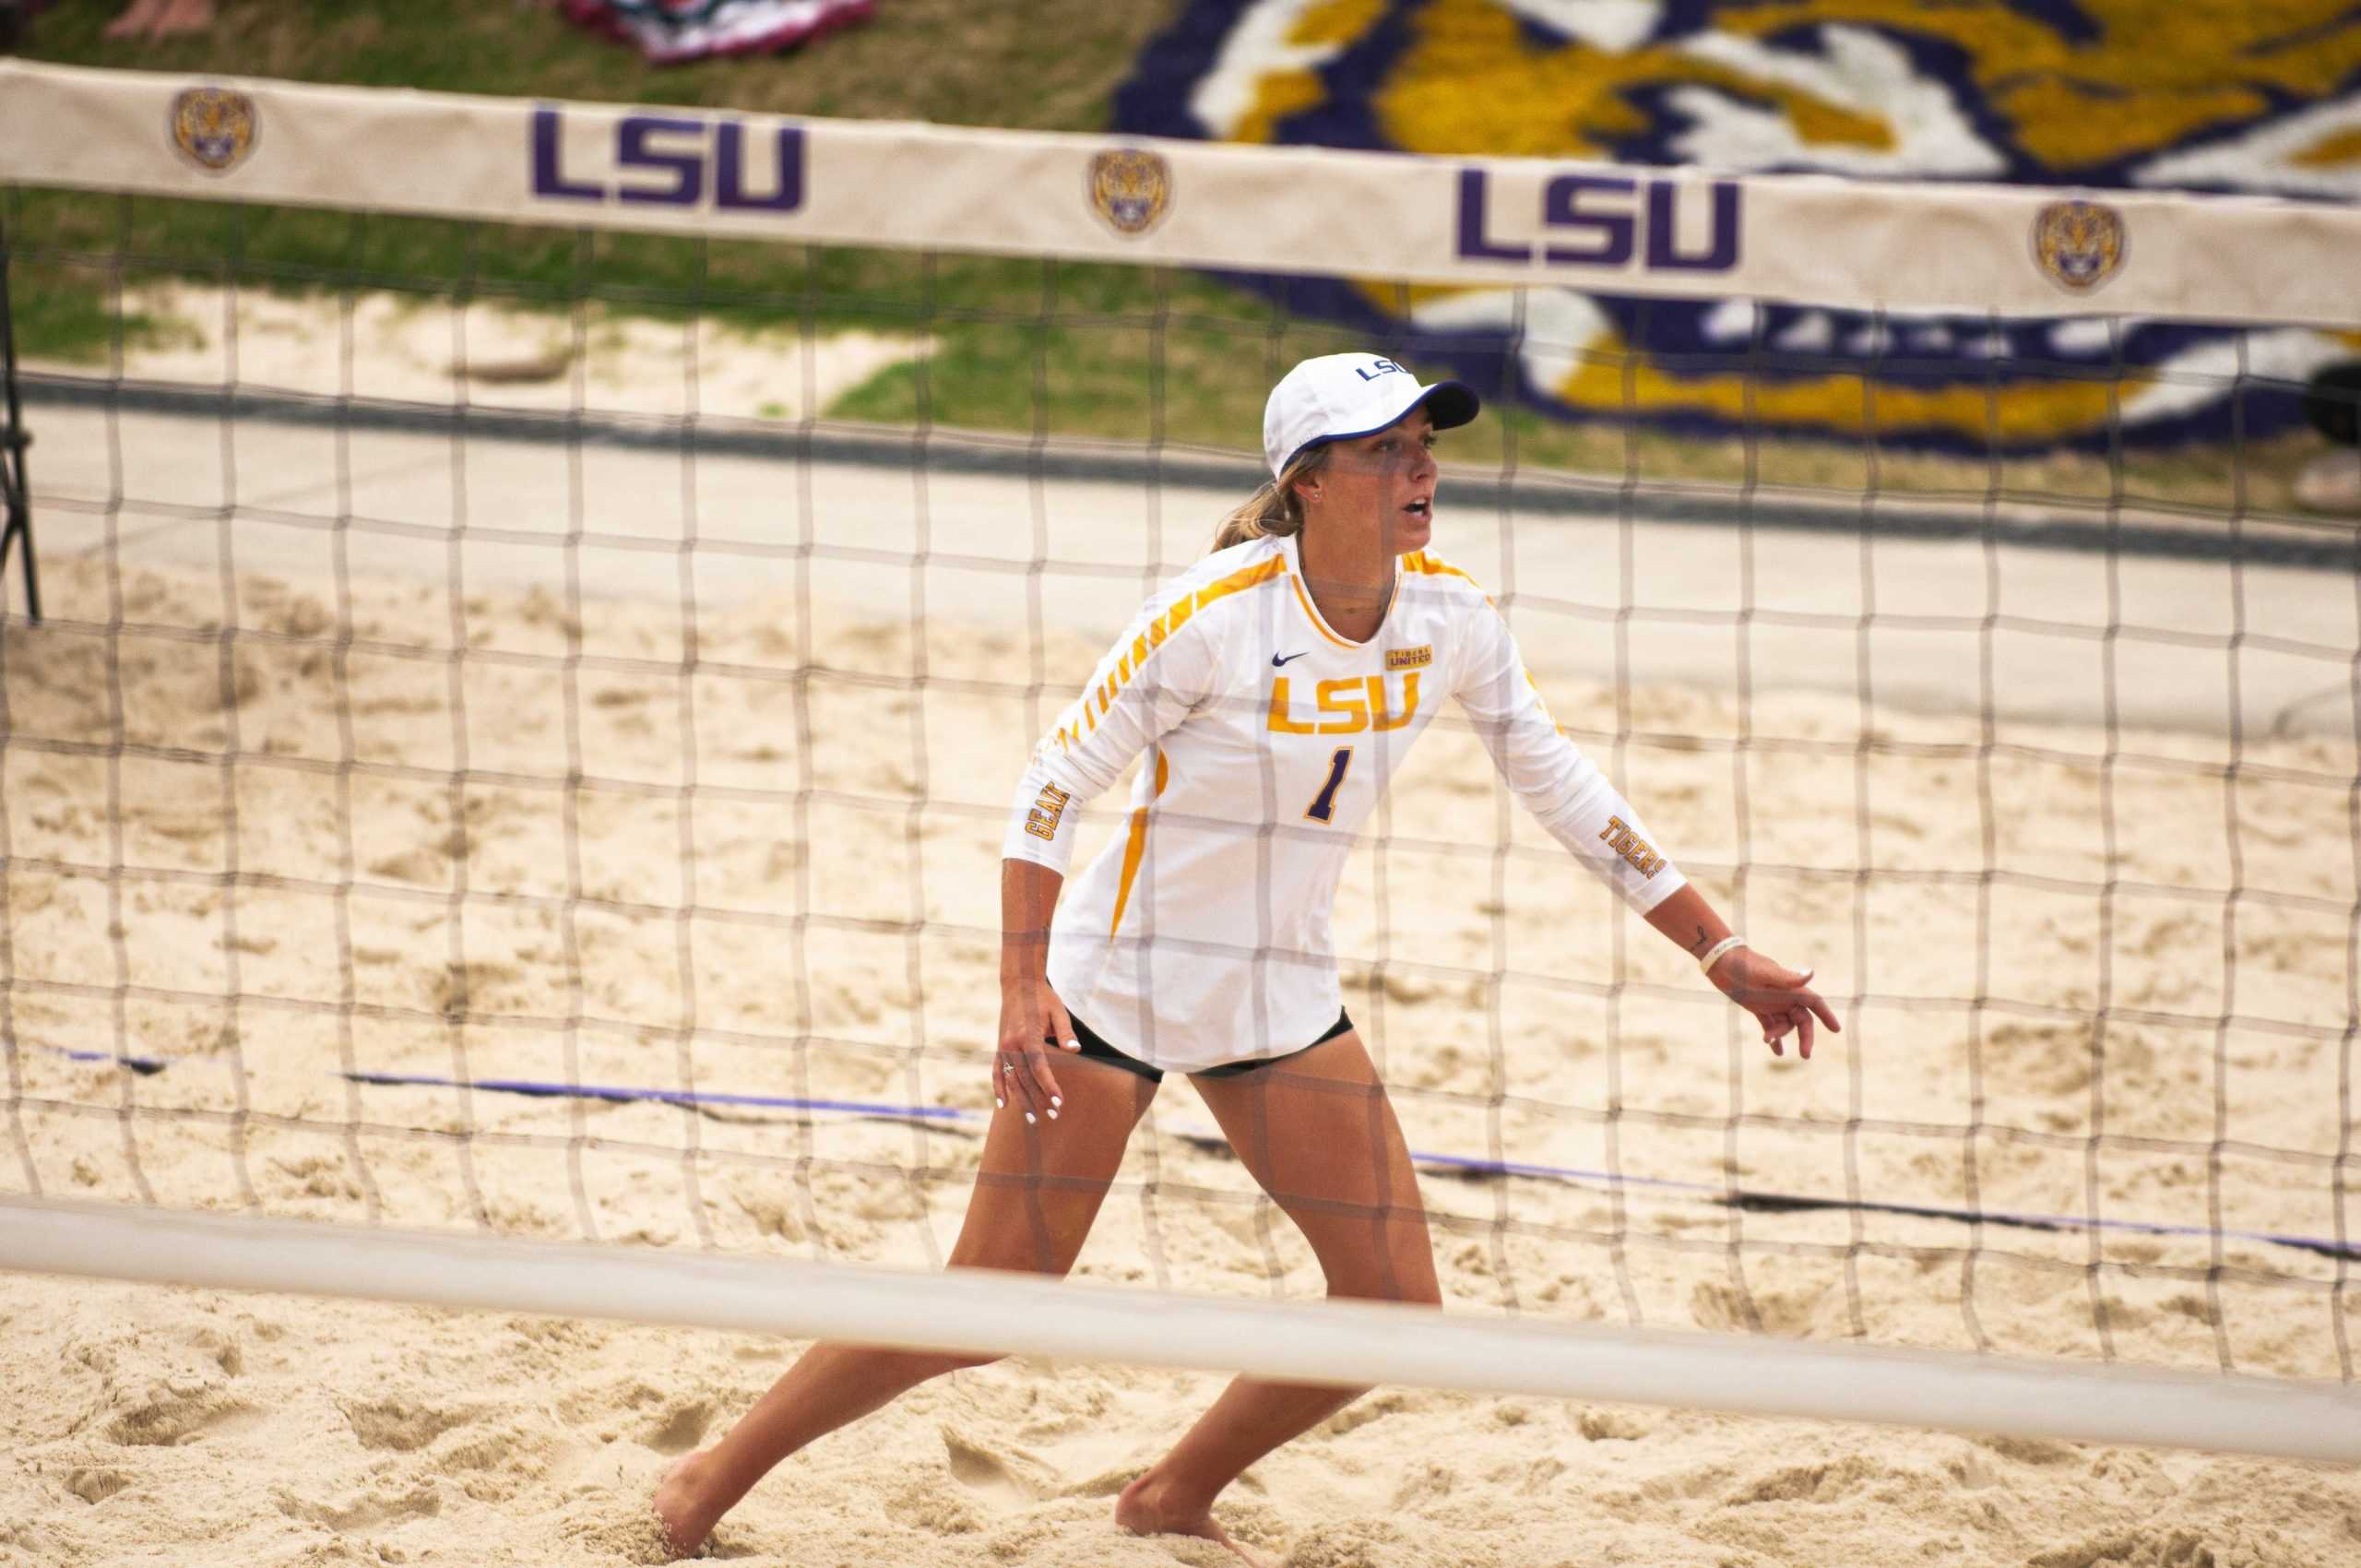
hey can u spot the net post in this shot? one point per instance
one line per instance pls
(15, 488)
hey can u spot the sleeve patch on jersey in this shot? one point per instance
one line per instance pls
(1410, 658)
(1042, 820)
(1631, 846)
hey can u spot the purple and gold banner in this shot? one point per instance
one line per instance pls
(2088, 106)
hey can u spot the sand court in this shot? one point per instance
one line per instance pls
(353, 871)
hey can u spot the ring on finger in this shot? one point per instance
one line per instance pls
(1008, 1067)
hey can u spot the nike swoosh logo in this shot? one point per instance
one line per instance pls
(1276, 660)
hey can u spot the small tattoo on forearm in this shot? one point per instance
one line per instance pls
(1700, 945)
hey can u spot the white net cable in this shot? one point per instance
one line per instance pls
(513, 755)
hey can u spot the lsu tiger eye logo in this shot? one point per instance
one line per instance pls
(1131, 189)
(215, 128)
(2079, 243)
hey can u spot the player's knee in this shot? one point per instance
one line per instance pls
(914, 1367)
(1041, 1254)
(1404, 1286)
(1423, 1291)
(1043, 1238)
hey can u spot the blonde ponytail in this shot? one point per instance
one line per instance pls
(1275, 510)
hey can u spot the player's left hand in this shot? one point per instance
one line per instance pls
(1781, 999)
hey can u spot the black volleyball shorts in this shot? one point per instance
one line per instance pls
(1098, 1049)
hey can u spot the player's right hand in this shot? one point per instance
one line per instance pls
(1032, 1021)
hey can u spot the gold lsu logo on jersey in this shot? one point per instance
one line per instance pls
(1343, 707)
(214, 128)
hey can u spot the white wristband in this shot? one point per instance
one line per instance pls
(1714, 953)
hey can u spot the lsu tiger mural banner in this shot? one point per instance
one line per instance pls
(2093, 103)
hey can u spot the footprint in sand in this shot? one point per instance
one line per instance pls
(400, 1425)
(1005, 1476)
(364, 1511)
(177, 1409)
(682, 1429)
(94, 1486)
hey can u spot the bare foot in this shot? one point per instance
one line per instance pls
(136, 19)
(181, 16)
(681, 1508)
(1146, 1509)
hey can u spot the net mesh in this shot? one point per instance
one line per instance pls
(521, 725)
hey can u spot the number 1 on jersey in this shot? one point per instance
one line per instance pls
(1324, 804)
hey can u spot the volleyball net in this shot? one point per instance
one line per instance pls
(541, 608)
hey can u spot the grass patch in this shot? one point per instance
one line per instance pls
(1195, 378)
(60, 313)
(1109, 353)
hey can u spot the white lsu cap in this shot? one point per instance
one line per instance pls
(1338, 397)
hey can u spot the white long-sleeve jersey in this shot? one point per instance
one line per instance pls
(1203, 937)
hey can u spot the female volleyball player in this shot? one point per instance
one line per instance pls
(1275, 687)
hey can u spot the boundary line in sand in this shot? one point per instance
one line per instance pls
(936, 1118)
(2319, 543)
(1349, 1342)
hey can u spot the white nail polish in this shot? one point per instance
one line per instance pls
(1001, 1103)
(1028, 1119)
(1054, 1115)
(1056, 1102)
(1073, 1045)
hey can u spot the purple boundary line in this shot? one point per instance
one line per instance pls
(1463, 1164)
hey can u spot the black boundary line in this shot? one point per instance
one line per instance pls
(1899, 517)
(1789, 1202)
(1740, 1198)
(1785, 1203)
